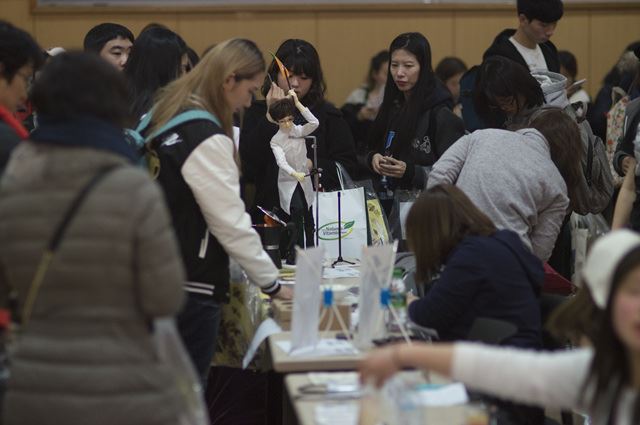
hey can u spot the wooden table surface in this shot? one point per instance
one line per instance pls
(305, 408)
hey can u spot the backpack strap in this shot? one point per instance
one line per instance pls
(587, 173)
(192, 115)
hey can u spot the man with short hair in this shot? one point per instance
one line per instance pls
(20, 57)
(111, 41)
(529, 45)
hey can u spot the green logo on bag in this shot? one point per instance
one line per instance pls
(329, 231)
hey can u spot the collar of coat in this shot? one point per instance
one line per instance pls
(83, 131)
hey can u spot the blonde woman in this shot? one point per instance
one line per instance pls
(200, 178)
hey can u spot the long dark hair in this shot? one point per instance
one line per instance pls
(374, 67)
(504, 78)
(610, 372)
(155, 61)
(438, 221)
(565, 145)
(300, 57)
(412, 108)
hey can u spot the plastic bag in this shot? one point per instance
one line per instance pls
(241, 316)
(585, 229)
(402, 202)
(171, 352)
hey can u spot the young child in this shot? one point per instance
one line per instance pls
(290, 150)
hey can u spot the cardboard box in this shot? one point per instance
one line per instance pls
(283, 310)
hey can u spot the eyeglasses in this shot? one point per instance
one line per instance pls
(26, 77)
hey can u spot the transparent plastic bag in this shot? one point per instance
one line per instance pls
(585, 229)
(378, 225)
(172, 353)
(241, 316)
(402, 202)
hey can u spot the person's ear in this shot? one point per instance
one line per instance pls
(522, 19)
(229, 81)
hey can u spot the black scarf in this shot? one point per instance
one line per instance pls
(83, 131)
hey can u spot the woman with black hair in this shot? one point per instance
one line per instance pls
(158, 57)
(450, 70)
(603, 379)
(505, 91)
(334, 139)
(415, 124)
(362, 105)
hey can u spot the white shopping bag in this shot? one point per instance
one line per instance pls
(352, 229)
(376, 271)
(306, 298)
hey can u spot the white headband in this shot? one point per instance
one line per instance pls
(603, 260)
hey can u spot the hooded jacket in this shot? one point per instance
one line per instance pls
(595, 189)
(485, 276)
(436, 130)
(501, 46)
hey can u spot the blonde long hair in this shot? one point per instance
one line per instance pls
(202, 88)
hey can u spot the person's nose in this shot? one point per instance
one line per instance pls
(294, 82)
(123, 60)
(550, 30)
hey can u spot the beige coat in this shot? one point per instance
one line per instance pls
(86, 356)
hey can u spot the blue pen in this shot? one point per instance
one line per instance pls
(390, 135)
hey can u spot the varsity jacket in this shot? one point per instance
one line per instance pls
(200, 179)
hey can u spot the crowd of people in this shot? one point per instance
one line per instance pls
(132, 173)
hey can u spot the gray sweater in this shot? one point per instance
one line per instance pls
(511, 178)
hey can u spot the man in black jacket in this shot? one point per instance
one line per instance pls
(529, 45)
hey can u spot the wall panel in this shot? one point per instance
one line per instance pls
(347, 36)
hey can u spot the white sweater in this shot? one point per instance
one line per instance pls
(549, 379)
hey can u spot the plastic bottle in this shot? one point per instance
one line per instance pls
(398, 300)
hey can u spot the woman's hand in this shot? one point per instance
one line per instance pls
(392, 167)
(294, 96)
(376, 161)
(380, 365)
(275, 93)
(367, 113)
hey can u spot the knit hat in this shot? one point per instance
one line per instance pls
(603, 260)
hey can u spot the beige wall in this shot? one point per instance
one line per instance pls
(346, 37)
